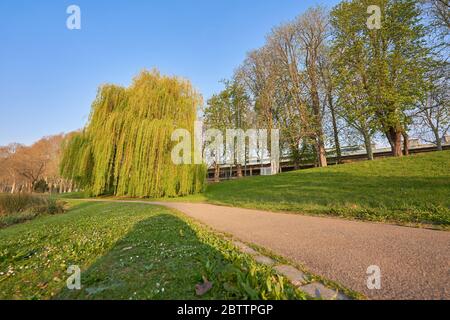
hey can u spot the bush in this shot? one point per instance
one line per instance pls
(51, 206)
(16, 218)
(16, 203)
(17, 208)
(41, 186)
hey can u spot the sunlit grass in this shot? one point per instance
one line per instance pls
(413, 189)
(128, 251)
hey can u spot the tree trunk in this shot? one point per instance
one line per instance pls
(368, 145)
(216, 173)
(13, 189)
(395, 139)
(438, 140)
(321, 154)
(295, 155)
(318, 120)
(275, 167)
(239, 171)
(337, 144)
(405, 144)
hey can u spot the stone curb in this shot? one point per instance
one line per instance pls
(316, 290)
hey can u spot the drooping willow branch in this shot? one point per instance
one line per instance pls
(126, 147)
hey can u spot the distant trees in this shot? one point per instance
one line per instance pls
(22, 167)
(230, 109)
(9, 177)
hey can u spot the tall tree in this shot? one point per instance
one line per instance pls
(432, 116)
(391, 60)
(312, 31)
(126, 147)
(328, 74)
(294, 116)
(230, 109)
(350, 59)
(285, 78)
(258, 74)
(214, 118)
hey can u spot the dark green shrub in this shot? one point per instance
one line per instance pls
(41, 186)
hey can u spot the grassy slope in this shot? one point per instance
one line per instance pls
(127, 251)
(415, 189)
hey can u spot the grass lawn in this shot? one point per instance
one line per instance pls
(414, 190)
(128, 251)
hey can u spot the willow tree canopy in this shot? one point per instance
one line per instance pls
(126, 147)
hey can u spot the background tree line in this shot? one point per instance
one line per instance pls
(325, 79)
(33, 168)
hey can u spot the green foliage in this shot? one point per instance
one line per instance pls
(77, 160)
(230, 109)
(128, 251)
(379, 73)
(125, 149)
(18, 208)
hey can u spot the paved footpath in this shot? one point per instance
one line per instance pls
(415, 263)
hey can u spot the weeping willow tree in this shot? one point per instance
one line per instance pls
(126, 147)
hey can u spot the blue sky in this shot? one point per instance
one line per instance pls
(49, 75)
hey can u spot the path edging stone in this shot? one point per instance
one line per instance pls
(296, 277)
